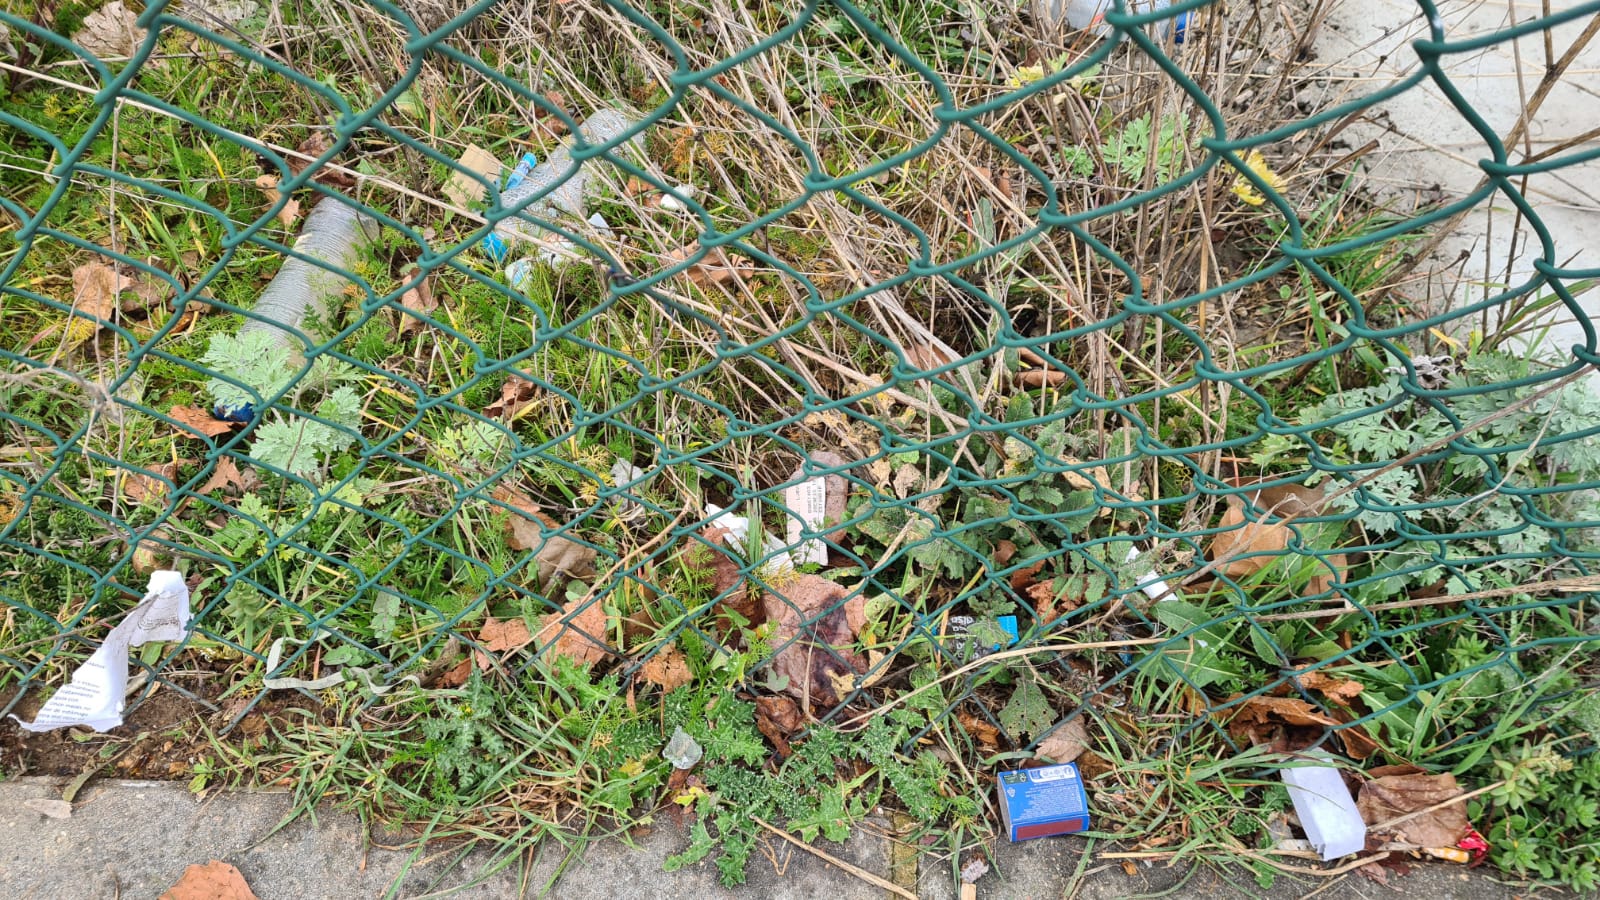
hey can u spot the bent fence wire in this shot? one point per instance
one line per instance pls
(985, 470)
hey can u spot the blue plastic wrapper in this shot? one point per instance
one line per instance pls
(242, 413)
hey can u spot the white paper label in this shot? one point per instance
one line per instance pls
(808, 508)
(95, 696)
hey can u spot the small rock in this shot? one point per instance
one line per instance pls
(55, 809)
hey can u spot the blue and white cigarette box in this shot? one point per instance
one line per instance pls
(1042, 802)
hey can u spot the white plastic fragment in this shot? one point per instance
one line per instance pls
(683, 751)
(1326, 810)
(97, 694)
(275, 655)
(1152, 584)
(807, 503)
(553, 252)
(348, 673)
(738, 528)
(677, 199)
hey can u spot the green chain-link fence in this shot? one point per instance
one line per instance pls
(1030, 412)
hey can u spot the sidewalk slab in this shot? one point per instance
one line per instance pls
(133, 839)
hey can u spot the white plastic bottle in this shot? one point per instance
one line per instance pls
(571, 181)
(334, 233)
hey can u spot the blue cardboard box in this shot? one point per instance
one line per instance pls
(1044, 801)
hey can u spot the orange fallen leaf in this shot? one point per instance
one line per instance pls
(1333, 688)
(507, 636)
(139, 487)
(199, 422)
(227, 473)
(216, 880)
(1038, 378)
(516, 396)
(421, 302)
(578, 632)
(667, 669)
(981, 730)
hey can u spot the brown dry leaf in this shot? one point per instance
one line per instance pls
(496, 636)
(216, 880)
(1357, 743)
(516, 397)
(199, 422)
(268, 185)
(139, 487)
(981, 730)
(1028, 379)
(926, 356)
(1066, 743)
(110, 32)
(1025, 577)
(778, 718)
(1335, 689)
(457, 676)
(315, 144)
(1280, 722)
(419, 300)
(227, 474)
(815, 626)
(1250, 547)
(1391, 796)
(667, 670)
(550, 122)
(577, 632)
(148, 293)
(1003, 551)
(559, 557)
(1092, 765)
(95, 287)
(716, 269)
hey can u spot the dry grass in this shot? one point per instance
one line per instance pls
(962, 196)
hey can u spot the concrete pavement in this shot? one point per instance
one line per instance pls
(133, 839)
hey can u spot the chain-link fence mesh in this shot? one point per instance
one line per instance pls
(1070, 351)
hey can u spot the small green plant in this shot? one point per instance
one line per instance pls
(256, 369)
(1542, 816)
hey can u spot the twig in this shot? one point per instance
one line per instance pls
(831, 860)
(1559, 585)
(1002, 656)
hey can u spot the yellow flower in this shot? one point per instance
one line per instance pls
(1026, 75)
(1244, 190)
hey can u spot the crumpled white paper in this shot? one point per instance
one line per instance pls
(96, 696)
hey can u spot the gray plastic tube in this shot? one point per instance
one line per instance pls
(571, 180)
(333, 233)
